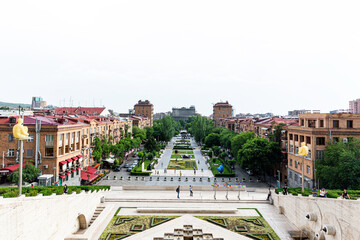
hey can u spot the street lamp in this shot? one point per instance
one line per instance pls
(303, 151)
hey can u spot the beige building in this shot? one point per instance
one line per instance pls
(145, 109)
(316, 130)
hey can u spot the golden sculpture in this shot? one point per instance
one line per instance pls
(303, 150)
(20, 131)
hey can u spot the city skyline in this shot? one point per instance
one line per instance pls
(242, 52)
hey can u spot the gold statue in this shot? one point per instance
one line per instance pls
(303, 150)
(20, 131)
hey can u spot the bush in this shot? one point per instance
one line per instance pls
(11, 194)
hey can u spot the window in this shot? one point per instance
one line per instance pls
(308, 140)
(49, 138)
(49, 152)
(321, 123)
(291, 136)
(296, 177)
(335, 123)
(320, 141)
(349, 123)
(11, 137)
(309, 154)
(61, 136)
(296, 164)
(290, 175)
(296, 137)
(301, 138)
(336, 139)
(72, 174)
(302, 122)
(31, 138)
(29, 152)
(291, 162)
(296, 150)
(319, 154)
(11, 152)
(291, 148)
(307, 169)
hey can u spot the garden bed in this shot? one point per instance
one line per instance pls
(227, 170)
(182, 165)
(334, 193)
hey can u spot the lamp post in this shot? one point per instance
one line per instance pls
(303, 151)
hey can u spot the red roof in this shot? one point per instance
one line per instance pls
(223, 104)
(15, 167)
(86, 175)
(92, 169)
(94, 111)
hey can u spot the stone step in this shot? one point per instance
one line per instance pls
(187, 200)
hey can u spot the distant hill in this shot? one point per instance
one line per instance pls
(11, 105)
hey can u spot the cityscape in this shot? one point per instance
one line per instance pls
(191, 120)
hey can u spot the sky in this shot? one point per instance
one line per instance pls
(261, 56)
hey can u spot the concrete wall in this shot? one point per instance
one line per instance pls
(50, 217)
(343, 215)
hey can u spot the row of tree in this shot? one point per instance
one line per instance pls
(258, 154)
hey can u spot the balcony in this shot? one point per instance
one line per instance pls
(84, 136)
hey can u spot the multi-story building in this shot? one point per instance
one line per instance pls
(62, 145)
(316, 130)
(38, 102)
(140, 121)
(221, 110)
(183, 113)
(145, 109)
(354, 106)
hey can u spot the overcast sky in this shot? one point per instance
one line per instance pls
(261, 56)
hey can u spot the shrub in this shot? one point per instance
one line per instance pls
(11, 194)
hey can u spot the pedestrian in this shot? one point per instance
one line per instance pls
(345, 195)
(194, 171)
(323, 193)
(191, 192)
(285, 190)
(314, 192)
(65, 189)
(269, 194)
(178, 191)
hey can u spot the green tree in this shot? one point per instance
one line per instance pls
(275, 136)
(225, 138)
(30, 173)
(239, 140)
(139, 133)
(97, 150)
(341, 167)
(213, 139)
(259, 155)
(150, 145)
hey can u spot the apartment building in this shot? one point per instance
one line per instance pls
(316, 130)
(140, 121)
(145, 109)
(354, 106)
(65, 143)
(221, 110)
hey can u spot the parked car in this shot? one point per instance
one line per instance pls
(117, 169)
(126, 165)
(135, 162)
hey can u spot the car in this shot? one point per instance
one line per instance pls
(117, 169)
(126, 165)
(135, 162)
(129, 169)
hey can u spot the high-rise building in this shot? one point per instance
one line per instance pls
(38, 102)
(222, 110)
(354, 106)
(145, 109)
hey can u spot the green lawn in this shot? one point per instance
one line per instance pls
(182, 165)
(214, 165)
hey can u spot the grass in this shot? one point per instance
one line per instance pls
(182, 165)
(183, 152)
(252, 228)
(215, 164)
(125, 228)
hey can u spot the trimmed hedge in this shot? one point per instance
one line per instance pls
(332, 193)
(8, 192)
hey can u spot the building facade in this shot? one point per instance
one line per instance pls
(354, 106)
(316, 130)
(145, 109)
(221, 110)
(38, 102)
(183, 113)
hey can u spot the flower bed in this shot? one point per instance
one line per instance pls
(332, 193)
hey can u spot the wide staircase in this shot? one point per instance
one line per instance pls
(97, 212)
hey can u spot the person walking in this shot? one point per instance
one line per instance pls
(194, 171)
(65, 189)
(269, 195)
(178, 191)
(285, 190)
(191, 192)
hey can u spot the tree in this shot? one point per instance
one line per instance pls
(139, 133)
(258, 154)
(97, 150)
(150, 145)
(30, 173)
(276, 135)
(213, 139)
(341, 167)
(216, 150)
(225, 138)
(239, 140)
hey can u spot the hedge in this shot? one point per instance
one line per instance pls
(8, 192)
(227, 170)
(332, 193)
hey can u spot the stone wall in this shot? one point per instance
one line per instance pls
(46, 217)
(341, 215)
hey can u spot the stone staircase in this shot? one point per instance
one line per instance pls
(97, 212)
